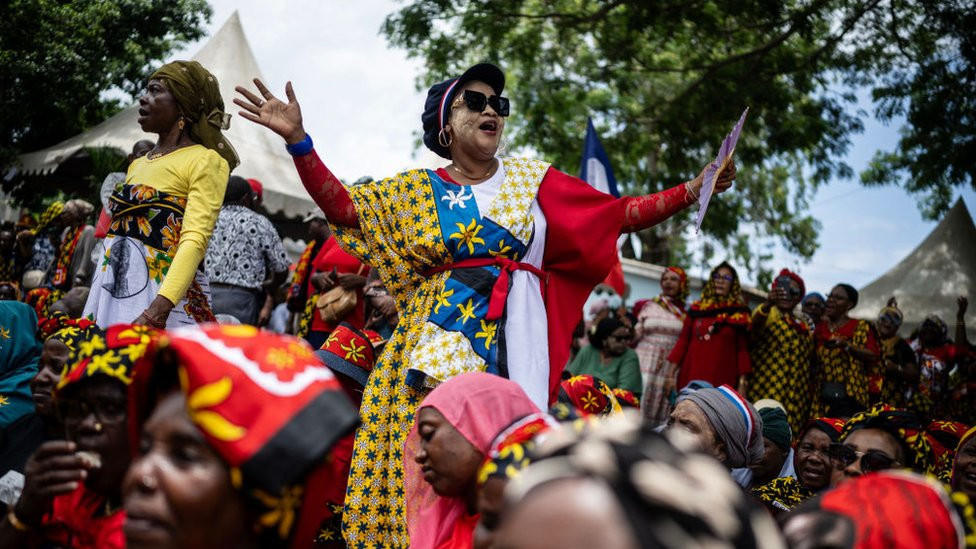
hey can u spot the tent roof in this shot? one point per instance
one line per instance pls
(229, 57)
(931, 277)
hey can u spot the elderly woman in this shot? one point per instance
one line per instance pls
(659, 324)
(72, 490)
(445, 450)
(714, 341)
(231, 447)
(812, 464)
(489, 261)
(621, 487)
(722, 424)
(782, 351)
(164, 213)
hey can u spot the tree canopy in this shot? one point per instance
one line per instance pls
(57, 60)
(664, 80)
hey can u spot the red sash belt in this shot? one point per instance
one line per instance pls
(499, 292)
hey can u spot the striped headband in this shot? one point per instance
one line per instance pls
(442, 119)
(742, 407)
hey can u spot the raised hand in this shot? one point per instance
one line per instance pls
(285, 119)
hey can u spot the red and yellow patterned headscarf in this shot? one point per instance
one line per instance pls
(268, 406)
(112, 353)
(589, 395)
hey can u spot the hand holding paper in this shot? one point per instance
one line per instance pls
(722, 160)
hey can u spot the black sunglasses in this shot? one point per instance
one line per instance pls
(476, 101)
(872, 460)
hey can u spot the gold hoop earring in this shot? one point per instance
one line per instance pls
(444, 138)
(181, 123)
(98, 427)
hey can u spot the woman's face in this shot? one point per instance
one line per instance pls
(964, 469)
(476, 134)
(448, 461)
(812, 459)
(886, 328)
(158, 109)
(178, 492)
(722, 279)
(838, 303)
(94, 414)
(690, 418)
(865, 440)
(813, 307)
(616, 343)
(670, 284)
(53, 356)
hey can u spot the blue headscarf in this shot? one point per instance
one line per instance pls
(19, 351)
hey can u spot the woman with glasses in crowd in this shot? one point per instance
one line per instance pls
(608, 357)
(878, 439)
(72, 493)
(714, 341)
(847, 352)
(489, 261)
(782, 350)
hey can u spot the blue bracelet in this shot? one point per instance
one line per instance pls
(301, 148)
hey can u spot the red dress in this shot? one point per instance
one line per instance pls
(711, 349)
(74, 522)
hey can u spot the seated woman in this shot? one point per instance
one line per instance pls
(963, 476)
(72, 490)
(811, 460)
(19, 440)
(445, 449)
(878, 439)
(233, 425)
(609, 358)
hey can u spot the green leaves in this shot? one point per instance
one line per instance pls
(58, 58)
(665, 79)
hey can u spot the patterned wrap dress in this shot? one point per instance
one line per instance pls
(782, 365)
(660, 325)
(415, 228)
(838, 366)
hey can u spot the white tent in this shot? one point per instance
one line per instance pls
(228, 56)
(932, 277)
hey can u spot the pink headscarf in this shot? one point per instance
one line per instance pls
(479, 406)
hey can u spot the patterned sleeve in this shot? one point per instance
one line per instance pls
(271, 247)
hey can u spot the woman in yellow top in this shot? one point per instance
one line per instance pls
(164, 213)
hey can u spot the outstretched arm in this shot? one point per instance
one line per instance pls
(285, 119)
(646, 211)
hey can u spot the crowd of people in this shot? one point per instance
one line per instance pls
(422, 377)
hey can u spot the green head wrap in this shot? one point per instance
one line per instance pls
(198, 93)
(776, 427)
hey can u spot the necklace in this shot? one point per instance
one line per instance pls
(491, 170)
(162, 151)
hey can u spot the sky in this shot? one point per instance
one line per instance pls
(361, 106)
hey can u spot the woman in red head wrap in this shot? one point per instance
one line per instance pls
(658, 327)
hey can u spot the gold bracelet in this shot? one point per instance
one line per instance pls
(16, 522)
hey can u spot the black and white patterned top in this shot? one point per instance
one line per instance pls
(244, 248)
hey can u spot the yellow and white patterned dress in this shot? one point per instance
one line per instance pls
(409, 225)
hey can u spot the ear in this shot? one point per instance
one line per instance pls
(720, 452)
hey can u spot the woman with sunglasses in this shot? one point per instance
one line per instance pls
(713, 345)
(881, 438)
(782, 350)
(847, 351)
(609, 358)
(489, 261)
